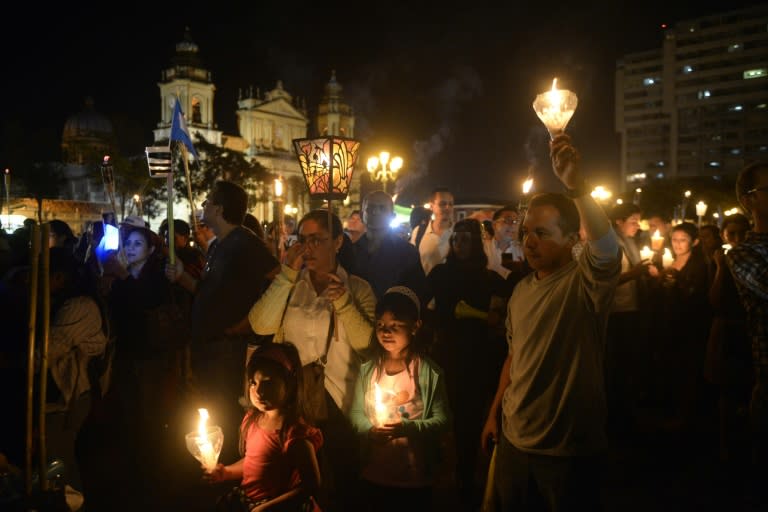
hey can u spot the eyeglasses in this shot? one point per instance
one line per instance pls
(756, 189)
(508, 220)
(312, 240)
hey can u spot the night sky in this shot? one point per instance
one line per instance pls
(447, 88)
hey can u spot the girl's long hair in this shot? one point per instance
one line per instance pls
(292, 409)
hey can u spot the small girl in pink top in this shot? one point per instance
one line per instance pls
(279, 470)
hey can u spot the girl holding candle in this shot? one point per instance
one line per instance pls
(279, 468)
(400, 409)
(683, 310)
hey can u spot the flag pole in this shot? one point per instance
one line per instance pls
(169, 214)
(185, 161)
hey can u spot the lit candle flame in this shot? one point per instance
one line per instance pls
(646, 253)
(278, 187)
(555, 97)
(201, 425)
(667, 259)
(657, 241)
(380, 409)
(527, 184)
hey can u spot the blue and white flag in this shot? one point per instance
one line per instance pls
(179, 129)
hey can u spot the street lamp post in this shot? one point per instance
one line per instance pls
(382, 169)
(7, 183)
(278, 215)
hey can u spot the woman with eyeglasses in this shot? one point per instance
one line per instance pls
(329, 315)
(469, 304)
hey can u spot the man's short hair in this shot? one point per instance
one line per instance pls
(438, 190)
(747, 178)
(736, 218)
(498, 213)
(623, 211)
(233, 200)
(569, 216)
(377, 193)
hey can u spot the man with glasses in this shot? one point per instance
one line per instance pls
(748, 262)
(504, 250)
(237, 270)
(433, 240)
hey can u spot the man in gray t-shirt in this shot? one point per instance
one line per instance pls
(551, 394)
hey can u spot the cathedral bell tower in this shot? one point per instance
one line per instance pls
(188, 80)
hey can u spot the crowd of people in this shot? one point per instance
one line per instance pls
(352, 368)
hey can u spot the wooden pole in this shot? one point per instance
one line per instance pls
(171, 241)
(46, 317)
(185, 161)
(34, 255)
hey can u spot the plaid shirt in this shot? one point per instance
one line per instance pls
(749, 265)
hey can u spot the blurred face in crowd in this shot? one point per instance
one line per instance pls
(682, 243)
(734, 233)
(657, 223)
(506, 227)
(545, 246)
(630, 225)
(355, 223)
(137, 249)
(461, 244)
(319, 248)
(377, 211)
(442, 207)
(710, 240)
(756, 201)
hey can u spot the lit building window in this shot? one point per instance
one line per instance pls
(660, 163)
(736, 108)
(687, 69)
(660, 175)
(704, 94)
(734, 47)
(761, 106)
(648, 81)
(735, 151)
(637, 176)
(755, 73)
(714, 164)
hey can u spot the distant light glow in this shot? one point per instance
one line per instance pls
(755, 73)
(687, 69)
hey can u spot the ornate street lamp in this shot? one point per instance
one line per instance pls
(327, 164)
(555, 108)
(382, 169)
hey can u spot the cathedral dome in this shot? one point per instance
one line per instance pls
(87, 123)
(87, 136)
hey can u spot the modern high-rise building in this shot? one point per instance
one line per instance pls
(697, 105)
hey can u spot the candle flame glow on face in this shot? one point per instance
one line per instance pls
(201, 426)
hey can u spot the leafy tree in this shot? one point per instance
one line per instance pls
(42, 181)
(214, 164)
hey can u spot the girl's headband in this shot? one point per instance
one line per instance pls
(273, 352)
(404, 290)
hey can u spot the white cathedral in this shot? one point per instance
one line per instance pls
(267, 124)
